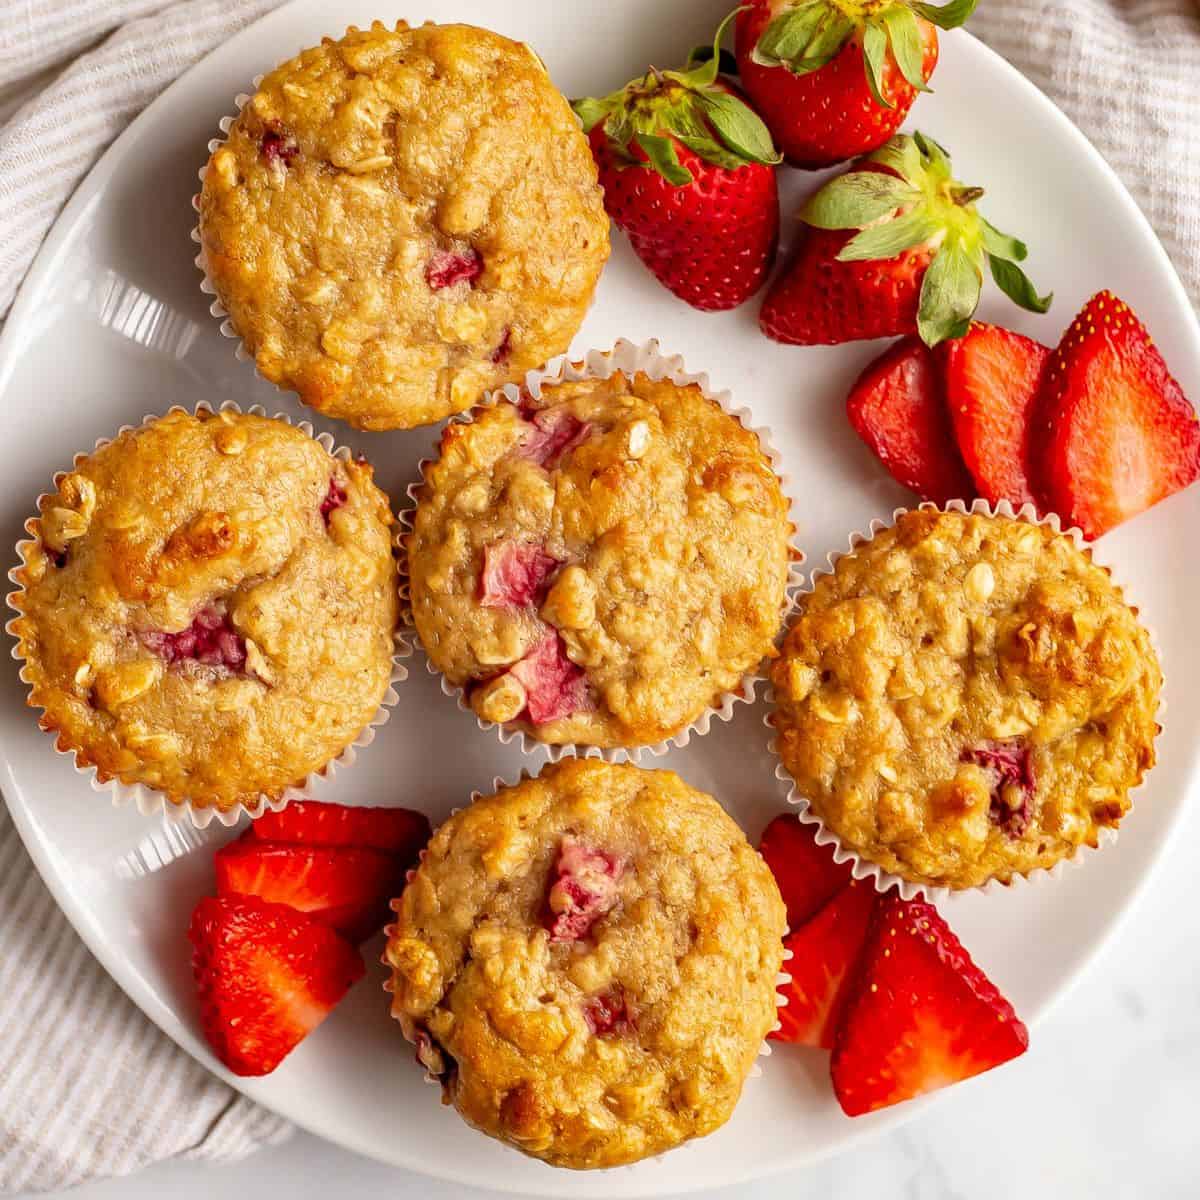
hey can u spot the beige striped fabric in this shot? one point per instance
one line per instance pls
(87, 1085)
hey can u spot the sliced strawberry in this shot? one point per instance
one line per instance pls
(345, 887)
(554, 434)
(1120, 434)
(806, 873)
(824, 950)
(920, 1014)
(514, 573)
(585, 887)
(896, 406)
(267, 977)
(992, 377)
(399, 831)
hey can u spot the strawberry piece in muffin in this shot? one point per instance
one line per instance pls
(554, 686)
(585, 888)
(609, 1013)
(1014, 781)
(209, 640)
(514, 573)
(447, 267)
(556, 432)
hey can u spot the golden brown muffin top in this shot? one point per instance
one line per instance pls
(599, 566)
(966, 698)
(402, 219)
(209, 606)
(589, 960)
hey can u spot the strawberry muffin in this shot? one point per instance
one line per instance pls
(601, 565)
(208, 606)
(588, 962)
(966, 698)
(402, 219)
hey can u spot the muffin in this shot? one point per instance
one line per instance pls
(402, 219)
(966, 698)
(208, 607)
(602, 565)
(588, 961)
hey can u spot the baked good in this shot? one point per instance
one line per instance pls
(599, 566)
(208, 607)
(588, 959)
(401, 219)
(966, 698)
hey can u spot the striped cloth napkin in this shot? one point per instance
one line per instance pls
(88, 1086)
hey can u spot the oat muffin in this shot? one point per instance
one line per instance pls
(601, 565)
(208, 607)
(588, 961)
(402, 219)
(966, 698)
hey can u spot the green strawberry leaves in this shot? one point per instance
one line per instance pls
(808, 34)
(915, 202)
(691, 108)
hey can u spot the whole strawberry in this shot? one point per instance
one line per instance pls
(894, 246)
(834, 79)
(688, 173)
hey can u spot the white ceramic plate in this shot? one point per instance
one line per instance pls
(111, 325)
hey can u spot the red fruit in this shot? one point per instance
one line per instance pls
(448, 267)
(820, 301)
(688, 173)
(515, 573)
(819, 117)
(920, 1014)
(893, 246)
(345, 887)
(335, 497)
(553, 434)
(554, 686)
(896, 406)
(585, 887)
(398, 831)
(805, 872)
(824, 950)
(267, 977)
(992, 377)
(1119, 433)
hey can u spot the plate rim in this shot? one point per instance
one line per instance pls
(42, 852)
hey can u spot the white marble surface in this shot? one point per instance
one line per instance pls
(1104, 1106)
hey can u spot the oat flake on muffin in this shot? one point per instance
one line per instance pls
(966, 698)
(402, 219)
(599, 566)
(588, 960)
(208, 607)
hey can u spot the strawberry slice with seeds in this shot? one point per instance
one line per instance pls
(897, 407)
(266, 977)
(345, 887)
(992, 378)
(1120, 435)
(554, 686)
(398, 831)
(806, 874)
(824, 950)
(920, 1014)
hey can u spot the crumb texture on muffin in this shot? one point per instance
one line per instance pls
(967, 698)
(602, 565)
(208, 607)
(588, 959)
(402, 219)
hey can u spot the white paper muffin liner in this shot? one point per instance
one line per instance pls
(150, 801)
(782, 978)
(629, 359)
(862, 868)
(216, 308)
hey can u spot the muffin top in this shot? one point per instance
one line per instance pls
(966, 698)
(599, 566)
(588, 959)
(208, 608)
(402, 219)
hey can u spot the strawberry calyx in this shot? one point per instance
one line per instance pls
(807, 35)
(666, 109)
(908, 197)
